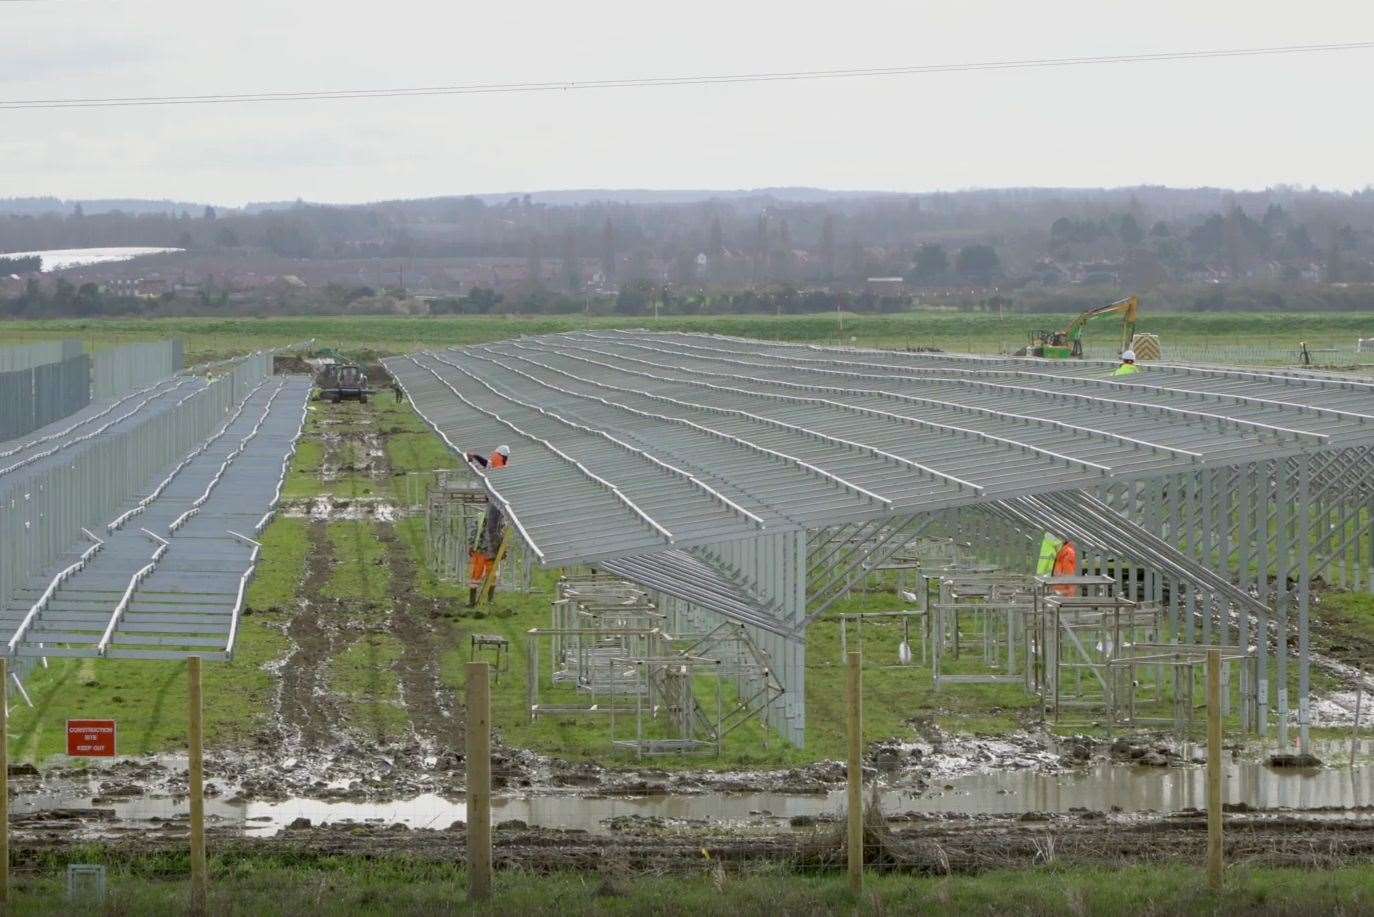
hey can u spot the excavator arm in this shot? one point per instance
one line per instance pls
(1129, 308)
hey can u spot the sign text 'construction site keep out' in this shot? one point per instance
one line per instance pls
(91, 738)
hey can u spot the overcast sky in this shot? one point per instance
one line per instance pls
(1243, 123)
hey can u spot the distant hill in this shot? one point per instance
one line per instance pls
(38, 206)
(686, 196)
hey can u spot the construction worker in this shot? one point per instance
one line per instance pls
(1127, 367)
(484, 551)
(497, 459)
(1066, 564)
(488, 542)
(1050, 547)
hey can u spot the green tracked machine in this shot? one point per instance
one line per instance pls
(1062, 345)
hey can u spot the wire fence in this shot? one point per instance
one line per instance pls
(1317, 355)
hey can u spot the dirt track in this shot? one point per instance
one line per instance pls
(307, 711)
(417, 622)
(316, 719)
(935, 847)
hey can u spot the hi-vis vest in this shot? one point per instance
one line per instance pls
(1049, 550)
(1126, 369)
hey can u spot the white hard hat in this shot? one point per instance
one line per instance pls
(504, 450)
(1128, 355)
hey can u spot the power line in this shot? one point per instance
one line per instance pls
(654, 82)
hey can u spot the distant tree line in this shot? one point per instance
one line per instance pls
(1144, 235)
(20, 265)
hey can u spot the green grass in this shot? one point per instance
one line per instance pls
(362, 676)
(303, 478)
(260, 883)
(148, 700)
(209, 338)
(360, 574)
(1352, 611)
(894, 695)
(238, 695)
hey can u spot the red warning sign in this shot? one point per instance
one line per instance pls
(91, 738)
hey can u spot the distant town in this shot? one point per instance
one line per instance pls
(775, 251)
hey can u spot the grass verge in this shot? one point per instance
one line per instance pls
(243, 882)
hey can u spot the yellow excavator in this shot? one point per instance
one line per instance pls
(1069, 342)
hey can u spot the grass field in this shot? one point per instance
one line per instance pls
(362, 673)
(208, 339)
(264, 884)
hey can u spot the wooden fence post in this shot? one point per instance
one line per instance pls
(479, 780)
(854, 697)
(4, 785)
(196, 787)
(1355, 727)
(1214, 765)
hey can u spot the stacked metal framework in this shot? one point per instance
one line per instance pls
(712, 469)
(454, 506)
(130, 531)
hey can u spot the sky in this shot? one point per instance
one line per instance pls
(1238, 123)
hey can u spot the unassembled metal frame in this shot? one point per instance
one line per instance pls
(454, 506)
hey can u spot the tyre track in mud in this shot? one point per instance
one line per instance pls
(308, 710)
(312, 717)
(414, 620)
(433, 708)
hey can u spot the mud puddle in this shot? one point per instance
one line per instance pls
(1100, 788)
(330, 508)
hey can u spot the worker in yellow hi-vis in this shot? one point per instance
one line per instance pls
(1049, 550)
(1127, 367)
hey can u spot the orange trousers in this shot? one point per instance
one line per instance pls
(481, 566)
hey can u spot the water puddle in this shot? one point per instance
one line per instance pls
(1100, 787)
(327, 508)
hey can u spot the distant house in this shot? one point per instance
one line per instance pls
(886, 286)
(121, 286)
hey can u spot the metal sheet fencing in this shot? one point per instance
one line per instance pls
(120, 370)
(35, 397)
(27, 356)
(43, 508)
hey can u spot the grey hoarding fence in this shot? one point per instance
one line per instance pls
(47, 381)
(121, 370)
(36, 396)
(27, 356)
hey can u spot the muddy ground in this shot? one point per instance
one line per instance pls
(934, 845)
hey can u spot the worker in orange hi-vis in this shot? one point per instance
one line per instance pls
(488, 543)
(497, 459)
(1066, 564)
